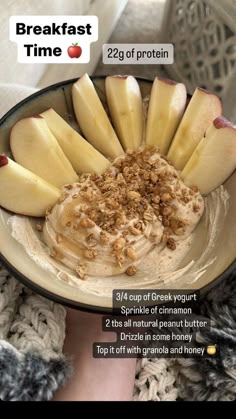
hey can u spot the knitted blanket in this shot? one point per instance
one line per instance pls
(33, 367)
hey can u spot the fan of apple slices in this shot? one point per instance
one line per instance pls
(49, 153)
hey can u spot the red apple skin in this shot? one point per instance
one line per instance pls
(120, 77)
(167, 81)
(3, 161)
(222, 122)
(204, 90)
(37, 115)
(74, 51)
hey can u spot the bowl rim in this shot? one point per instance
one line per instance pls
(89, 308)
(48, 294)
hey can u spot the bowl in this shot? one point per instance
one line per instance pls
(221, 252)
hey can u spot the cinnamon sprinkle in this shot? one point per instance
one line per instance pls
(140, 186)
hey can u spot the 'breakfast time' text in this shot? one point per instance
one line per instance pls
(53, 39)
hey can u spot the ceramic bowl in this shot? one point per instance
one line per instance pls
(27, 271)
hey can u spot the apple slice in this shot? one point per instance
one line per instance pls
(202, 109)
(82, 155)
(23, 192)
(93, 119)
(35, 148)
(166, 108)
(214, 159)
(126, 109)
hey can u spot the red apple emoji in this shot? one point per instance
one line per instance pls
(74, 51)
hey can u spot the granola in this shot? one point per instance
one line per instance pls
(107, 223)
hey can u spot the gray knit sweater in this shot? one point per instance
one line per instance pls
(33, 367)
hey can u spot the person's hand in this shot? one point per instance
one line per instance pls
(94, 378)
